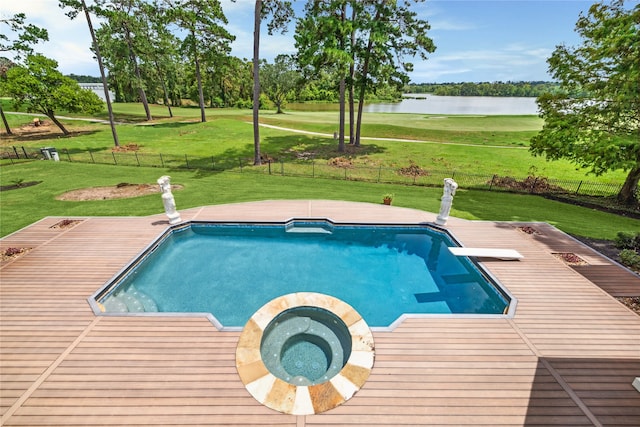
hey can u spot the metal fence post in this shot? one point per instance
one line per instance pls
(90, 154)
(68, 155)
(113, 154)
(269, 163)
(491, 184)
(137, 160)
(578, 189)
(313, 168)
(186, 160)
(161, 160)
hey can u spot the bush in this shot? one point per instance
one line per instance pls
(628, 241)
(630, 258)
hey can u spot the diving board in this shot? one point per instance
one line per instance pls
(506, 254)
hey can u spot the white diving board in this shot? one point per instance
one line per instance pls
(487, 253)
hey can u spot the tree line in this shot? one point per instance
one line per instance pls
(525, 89)
(169, 50)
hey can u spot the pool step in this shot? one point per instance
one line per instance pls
(130, 301)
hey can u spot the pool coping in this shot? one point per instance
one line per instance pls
(98, 309)
(289, 398)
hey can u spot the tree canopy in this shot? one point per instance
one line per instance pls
(24, 36)
(279, 80)
(599, 129)
(40, 87)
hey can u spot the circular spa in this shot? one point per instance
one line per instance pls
(304, 353)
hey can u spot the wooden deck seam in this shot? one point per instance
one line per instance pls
(571, 392)
(556, 375)
(43, 377)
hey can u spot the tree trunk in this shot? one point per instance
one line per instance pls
(256, 83)
(141, 92)
(6, 123)
(627, 194)
(105, 87)
(352, 74)
(164, 89)
(352, 111)
(342, 114)
(57, 122)
(203, 117)
(363, 83)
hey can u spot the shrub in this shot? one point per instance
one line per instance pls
(628, 241)
(630, 258)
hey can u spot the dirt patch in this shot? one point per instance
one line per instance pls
(120, 191)
(40, 130)
(413, 170)
(570, 258)
(66, 223)
(13, 253)
(529, 230)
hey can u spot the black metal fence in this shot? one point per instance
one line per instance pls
(315, 168)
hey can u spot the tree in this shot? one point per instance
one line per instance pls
(279, 80)
(281, 12)
(123, 38)
(205, 36)
(323, 39)
(78, 6)
(601, 129)
(40, 87)
(365, 42)
(393, 33)
(162, 51)
(25, 36)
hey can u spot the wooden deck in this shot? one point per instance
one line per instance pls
(568, 356)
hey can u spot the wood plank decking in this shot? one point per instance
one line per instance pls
(567, 357)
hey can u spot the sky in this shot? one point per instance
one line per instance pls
(476, 40)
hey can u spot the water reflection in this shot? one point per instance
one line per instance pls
(481, 105)
(431, 104)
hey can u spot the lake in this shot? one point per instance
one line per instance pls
(433, 104)
(474, 105)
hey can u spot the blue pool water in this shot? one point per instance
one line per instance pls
(231, 270)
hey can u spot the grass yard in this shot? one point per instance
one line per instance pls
(475, 145)
(24, 206)
(479, 145)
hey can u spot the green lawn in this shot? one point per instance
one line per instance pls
(474, 145)
(479, 145)
(24, 206)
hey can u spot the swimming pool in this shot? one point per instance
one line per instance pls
(231, 269)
